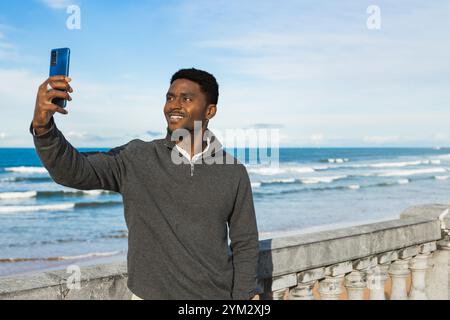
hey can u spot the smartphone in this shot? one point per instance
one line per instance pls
(59, 66)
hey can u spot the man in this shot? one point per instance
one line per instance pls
(179, 213)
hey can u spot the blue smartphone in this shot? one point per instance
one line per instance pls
(59, 66)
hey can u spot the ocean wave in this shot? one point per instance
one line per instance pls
(56, 207)
(331, 188)
(17, 195)
(119, 234)
(269, 171)
(31, 179)
(97, 204)
(403, 164)
(71, 193)
(47, 207)
(279, 181)
(338, 160)
(411, 172)
(49, 194)
(441, 177)
(62, 258)
(314, 180)
(335, 160)
(27, 169)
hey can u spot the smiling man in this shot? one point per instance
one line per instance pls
(183, 195)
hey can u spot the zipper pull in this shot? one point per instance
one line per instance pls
(192, 169)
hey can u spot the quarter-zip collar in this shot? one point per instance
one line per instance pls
(213, 147)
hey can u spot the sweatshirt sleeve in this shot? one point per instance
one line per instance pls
(244, 244)
(80, 170)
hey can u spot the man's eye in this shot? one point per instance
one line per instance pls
(169, 98)
(188, 99)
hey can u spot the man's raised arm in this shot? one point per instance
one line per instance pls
(65, 164)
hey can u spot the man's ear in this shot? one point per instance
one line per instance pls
(211, 111)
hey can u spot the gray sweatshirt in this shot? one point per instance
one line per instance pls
(179, 216)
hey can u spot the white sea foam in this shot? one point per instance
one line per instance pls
(61, 258)
(441, 177)
(256, 184)
(93, 192)
(314, 180)
(411, 172)
(48, 207)
(354, 186)
(338, 160)
(396, 164)
(18, 195)
(403, 181)
(270, 171)
(27, 169)
(90, 255)
(287, 180)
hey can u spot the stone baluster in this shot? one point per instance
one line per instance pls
(399, 272)
(302, 291)
(376, 279)
(356, 281)
(378, 275)
(419, 267)
(331, 287)
(305, 284)
(275, 288)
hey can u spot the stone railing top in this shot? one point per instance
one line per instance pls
(439, 212)
(280, 256)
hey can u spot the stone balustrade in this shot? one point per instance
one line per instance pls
(406, 258)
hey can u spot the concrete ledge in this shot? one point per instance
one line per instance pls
(103, 282)
(281, 260)
(308, 251)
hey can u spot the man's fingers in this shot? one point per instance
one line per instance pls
(51, 94)
(59, 78)
(55, 108)
(63, 85)
(44, 86)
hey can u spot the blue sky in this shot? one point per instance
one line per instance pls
(310, 68)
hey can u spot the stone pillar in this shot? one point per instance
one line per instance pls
(278, 294)
(419, 267)
(303, 291)
(275, 288)
(399, 272)
(330, 288)
(376, 280)
(355, 283)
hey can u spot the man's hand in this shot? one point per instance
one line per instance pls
(44, 108)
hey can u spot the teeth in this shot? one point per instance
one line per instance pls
(176, 117)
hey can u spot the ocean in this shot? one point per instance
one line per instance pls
(45, 226)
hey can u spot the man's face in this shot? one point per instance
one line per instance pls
(186, 103)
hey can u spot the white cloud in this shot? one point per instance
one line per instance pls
(57, 4)
(317, 137)
(77, 135)
(441, 136)
(2, 135)
(7, 49)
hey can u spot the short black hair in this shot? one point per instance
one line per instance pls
(207, 82)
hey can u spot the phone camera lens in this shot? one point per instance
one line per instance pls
(53, 62)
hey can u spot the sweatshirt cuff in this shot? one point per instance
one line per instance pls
(46, 135)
